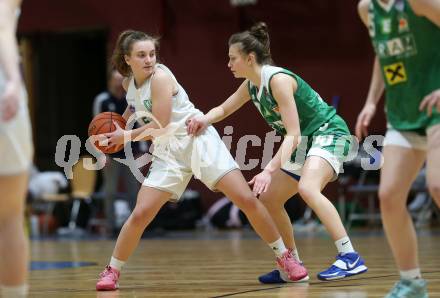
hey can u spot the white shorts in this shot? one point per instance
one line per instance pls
(406, 139)
(173, 165)
(16, 150)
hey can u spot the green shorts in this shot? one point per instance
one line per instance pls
(419, 125)
(332, 141)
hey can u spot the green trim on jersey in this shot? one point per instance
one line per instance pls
(313, 112)
(408, 49)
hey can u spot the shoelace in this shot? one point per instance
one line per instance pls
(396, 288)
(288, 258)
(108, 271)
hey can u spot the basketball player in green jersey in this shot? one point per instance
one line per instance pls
(291, 107)
(406, 38)
(15, 158)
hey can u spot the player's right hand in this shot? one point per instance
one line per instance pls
(364, 119)
(10, 101)
(196, 125)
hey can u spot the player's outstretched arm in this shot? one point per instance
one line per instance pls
(196, 125)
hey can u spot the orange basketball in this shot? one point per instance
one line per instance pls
(103, 123)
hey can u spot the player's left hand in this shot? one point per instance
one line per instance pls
(116, 137)
(431, 101)
(261, 182)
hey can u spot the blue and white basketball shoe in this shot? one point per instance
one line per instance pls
(346, 265)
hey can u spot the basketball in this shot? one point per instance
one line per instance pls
(103, 123)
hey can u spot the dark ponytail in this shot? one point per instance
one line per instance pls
(124, 46)
(254, 40)
(261, 32)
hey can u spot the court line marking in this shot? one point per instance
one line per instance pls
(319, 284)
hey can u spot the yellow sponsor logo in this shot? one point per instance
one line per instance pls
(395, 73)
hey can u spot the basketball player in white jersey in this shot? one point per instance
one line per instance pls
(15, 158)
(153, 90)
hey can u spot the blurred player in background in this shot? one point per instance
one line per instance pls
(15, 158)
(406, 39)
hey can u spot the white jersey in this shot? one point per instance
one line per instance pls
(177, 156)
(182, 107)
(205, 156)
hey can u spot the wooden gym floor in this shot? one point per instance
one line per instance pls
(219, 264)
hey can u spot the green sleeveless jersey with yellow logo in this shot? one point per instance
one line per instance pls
(408, 49)
(313, 112)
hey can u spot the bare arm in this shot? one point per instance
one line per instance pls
(8, 44)
(230, 105)
(363, 11)
(427, 8)
(127, 113)
(377, 84)
(125, 83)
(196, 125)
(283, 87)
(162, 87)
(9, 60)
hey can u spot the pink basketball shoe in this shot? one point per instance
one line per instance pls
(295, 271)
(108, 279)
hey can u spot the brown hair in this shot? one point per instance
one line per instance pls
(123, 47)
(254, 40)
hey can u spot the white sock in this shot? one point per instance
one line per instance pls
(278, 247)
(344, 245)
(14, 292)
(295, 255)
(411, 274)
(117, 264)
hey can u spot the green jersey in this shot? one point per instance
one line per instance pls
(408, 49)
(313, 112)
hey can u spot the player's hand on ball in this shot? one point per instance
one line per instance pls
(117, 137)
(101, 129)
